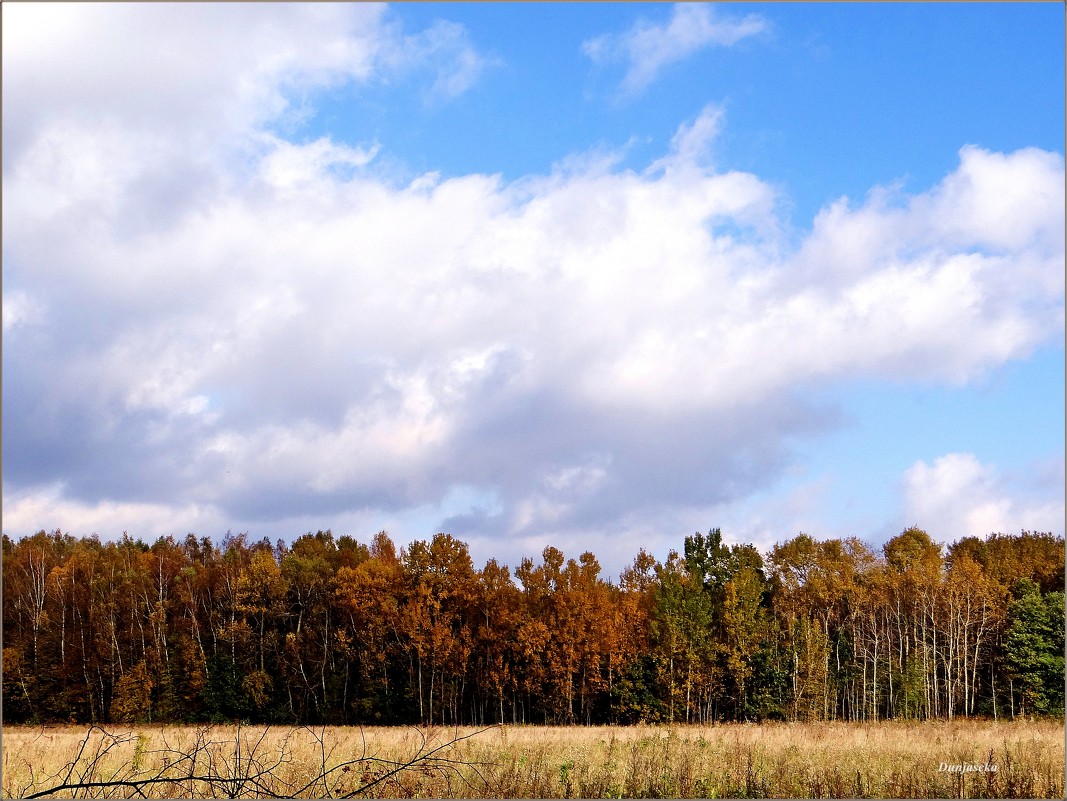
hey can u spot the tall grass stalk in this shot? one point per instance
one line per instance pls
(827, 760)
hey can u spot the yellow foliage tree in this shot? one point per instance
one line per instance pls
(132, 702)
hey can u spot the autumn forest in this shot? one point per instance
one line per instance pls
(332, 630)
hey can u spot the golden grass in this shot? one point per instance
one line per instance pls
(824, 760)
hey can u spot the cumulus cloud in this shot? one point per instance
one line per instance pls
(958, 496)
(647, 48)
(206, 75)
(68, 65)
(578, 357)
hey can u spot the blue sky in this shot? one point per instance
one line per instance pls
(870, 93)
(591, 275)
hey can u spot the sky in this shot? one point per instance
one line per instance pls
(595, 276)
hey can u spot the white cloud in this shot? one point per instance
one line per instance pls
(335, 342)
(251, 63)
(354, 360)
(289, 166)
(958, 496)
(19, 309)
(647, 48)
(444, 48)
(999, 201)
(940, 273)
(292, 336)
(49, 508)
(691, 143)
(206, 75)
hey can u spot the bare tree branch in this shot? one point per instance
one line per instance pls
(246, 767)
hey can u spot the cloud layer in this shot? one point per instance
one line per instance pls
(207, 325)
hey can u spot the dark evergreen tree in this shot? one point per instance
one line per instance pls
(1034, 647)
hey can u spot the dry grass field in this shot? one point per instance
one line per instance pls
(829, 760)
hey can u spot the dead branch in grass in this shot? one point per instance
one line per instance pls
(244, 767)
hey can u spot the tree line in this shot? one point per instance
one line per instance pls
(331, 630)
